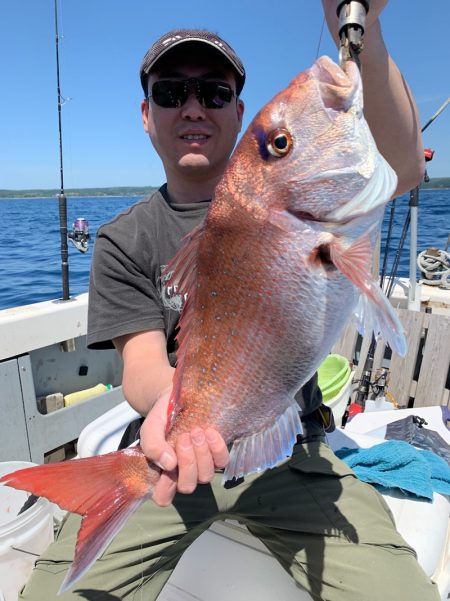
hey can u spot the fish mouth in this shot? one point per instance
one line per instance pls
(335, 224)
(308, 217)
(340, 89)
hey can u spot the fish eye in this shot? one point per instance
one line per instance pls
(279, 142)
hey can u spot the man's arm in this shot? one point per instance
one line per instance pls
(389, 106)
(147, 384)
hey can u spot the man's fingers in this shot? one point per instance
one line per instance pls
(165, 489)
(153, 439)
(205, 462)
(187, 464)
(218, 448)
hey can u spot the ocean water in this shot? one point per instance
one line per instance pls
(30, 259)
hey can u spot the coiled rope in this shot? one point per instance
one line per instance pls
(435, 266)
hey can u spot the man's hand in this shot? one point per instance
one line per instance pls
(197, 454)
(389, 106)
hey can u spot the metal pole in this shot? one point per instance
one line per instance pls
(61, 196)
(413, 298)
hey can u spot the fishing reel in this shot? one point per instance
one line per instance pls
(352, 18)
(428, 154)
(79, 236)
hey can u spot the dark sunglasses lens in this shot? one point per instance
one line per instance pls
(173, 94)
(169, 94)
(215, 95)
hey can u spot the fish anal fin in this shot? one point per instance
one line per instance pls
(265, 449)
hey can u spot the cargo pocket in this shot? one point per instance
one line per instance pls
(328, 482)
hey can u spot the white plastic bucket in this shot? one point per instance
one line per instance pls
(22, 537)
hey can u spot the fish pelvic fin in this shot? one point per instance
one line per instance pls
(105, 490)
(265, 449)
(375, 312)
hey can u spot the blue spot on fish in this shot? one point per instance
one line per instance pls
(261, 138)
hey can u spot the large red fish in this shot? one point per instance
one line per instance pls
(271, 278)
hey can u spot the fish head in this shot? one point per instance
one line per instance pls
(310, 152)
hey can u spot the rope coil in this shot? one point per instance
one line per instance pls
(435, 267)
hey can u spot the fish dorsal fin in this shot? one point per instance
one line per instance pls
(265, 449)
(181, 269)
(181, 272)
(375, 310)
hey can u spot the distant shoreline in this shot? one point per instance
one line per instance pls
(436, 183)
(79, 192)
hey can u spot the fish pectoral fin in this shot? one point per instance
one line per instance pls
(96, 488)
(375, 312)
(355, 261)
(265, 449)
(378, 316)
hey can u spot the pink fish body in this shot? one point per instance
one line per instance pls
(271, 278)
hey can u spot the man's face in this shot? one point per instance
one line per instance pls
(192, 140)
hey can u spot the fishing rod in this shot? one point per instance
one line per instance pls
(62, 201)
(412, 215)
(436, 114)
(79, 236)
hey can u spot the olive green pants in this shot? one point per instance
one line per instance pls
(331, 532)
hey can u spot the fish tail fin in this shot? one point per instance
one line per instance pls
(266, 448)
(105, 490)
(374, 311)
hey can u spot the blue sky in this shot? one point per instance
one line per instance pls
(102, 46)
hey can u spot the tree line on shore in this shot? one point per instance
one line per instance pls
(434, 183)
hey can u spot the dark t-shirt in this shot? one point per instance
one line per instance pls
(127, 293)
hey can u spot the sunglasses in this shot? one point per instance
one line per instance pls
(173, 94)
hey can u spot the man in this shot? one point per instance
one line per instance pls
(319, 521)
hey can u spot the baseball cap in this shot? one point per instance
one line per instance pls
(176, 37)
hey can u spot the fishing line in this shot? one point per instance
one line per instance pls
(320, 38)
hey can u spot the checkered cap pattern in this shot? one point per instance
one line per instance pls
(180, 36)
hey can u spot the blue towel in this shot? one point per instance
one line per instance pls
(397, 464)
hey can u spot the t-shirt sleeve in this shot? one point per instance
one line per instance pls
(123, 298)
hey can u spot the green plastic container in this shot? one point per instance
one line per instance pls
(333, 375)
